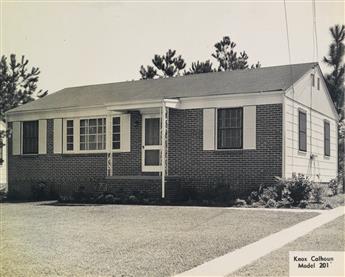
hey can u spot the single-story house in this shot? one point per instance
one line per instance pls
(241, 128)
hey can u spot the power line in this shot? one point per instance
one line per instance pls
(292, 87)
(315, 42)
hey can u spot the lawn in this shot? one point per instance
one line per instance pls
(329, 237)
(117, 240)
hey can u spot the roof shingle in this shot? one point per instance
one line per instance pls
(218, 83)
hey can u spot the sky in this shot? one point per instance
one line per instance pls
(79, 43)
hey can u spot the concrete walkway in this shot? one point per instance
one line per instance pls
(225, 265)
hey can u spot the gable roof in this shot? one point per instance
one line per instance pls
(263, 79)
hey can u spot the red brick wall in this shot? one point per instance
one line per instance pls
(243, 169)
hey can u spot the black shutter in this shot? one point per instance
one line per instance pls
(302, 131)
(327, 139)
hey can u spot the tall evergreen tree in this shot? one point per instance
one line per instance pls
(18, 83)
(228, 58)
(335, 83)
(335, 79)
(200, 67)
(167, 65)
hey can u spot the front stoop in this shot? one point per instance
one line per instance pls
(152, 185)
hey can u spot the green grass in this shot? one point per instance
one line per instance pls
(117, 240)
(329, 237)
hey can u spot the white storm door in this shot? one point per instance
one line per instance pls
(151, 143)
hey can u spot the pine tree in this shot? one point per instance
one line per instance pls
(228, 58)
(335, 84)
(200, 67)
(18, 84)
(335, 80)
(167, 65)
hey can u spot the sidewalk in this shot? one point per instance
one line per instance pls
(225, 265)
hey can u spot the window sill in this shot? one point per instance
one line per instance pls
(233, 150)
(302, 153)
(29, 155)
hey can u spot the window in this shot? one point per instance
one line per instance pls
(313, 80)
(69, 135)
(30, 137)
(327, 139)
(302, 131)
(116, 133)
(230, 128)
(318, 83)
(92, 134)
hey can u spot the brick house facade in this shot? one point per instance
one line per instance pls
(189, 135)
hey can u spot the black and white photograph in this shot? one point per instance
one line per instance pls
(176, 138)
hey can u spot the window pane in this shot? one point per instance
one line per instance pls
(116, 129)
(116, 120)
(30, 137)
(230, 128)
(152, 157)
(152, 129)
(116, 137)
(92, 130)
(116, 145)
(93, 122)
(302, 130)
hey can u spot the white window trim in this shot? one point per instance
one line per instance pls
(111, 134)
(76, 134)
(216, 131)
(22, 139)
(88, 150)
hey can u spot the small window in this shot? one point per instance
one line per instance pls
(302, 131)
(69, 135)
(116, 133)
(230, 128)
(318, 83)
(327, 139)
(313, 80)
(30, 137)
(92, 134)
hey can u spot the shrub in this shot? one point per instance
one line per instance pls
(271, 203)
(317, 192)
(39, 191)
(239, 202)
(268, 193)
(187, 194)
(283, 194)
(303, 204)
(298, 188)
(333, 185)
(80, 195)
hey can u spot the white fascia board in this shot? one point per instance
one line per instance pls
(290, 90)
(232, 100)
(135, 105)
(56, 113)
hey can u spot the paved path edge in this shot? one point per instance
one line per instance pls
(232, 261)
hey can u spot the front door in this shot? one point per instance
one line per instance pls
(151, 144)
